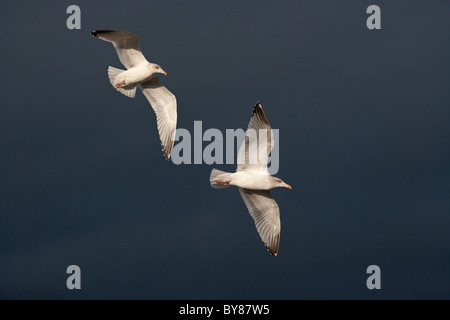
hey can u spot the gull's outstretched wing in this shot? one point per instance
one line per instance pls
(266, 214)
(126, 43)
(259, 135)
(164, 104)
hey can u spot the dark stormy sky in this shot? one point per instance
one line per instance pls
(364, 120)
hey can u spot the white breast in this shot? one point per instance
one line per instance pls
(137, 74)
(253, 180)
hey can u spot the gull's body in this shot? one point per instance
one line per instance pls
(142, 73)
(254, 181)
(135, 75)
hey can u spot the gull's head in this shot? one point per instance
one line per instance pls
(278, 183)
(156, 68)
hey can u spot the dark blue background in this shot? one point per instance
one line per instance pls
(364, 120)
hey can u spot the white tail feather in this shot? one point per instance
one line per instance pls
(218, 175)
(129, 91)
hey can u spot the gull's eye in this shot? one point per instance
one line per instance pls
(157, 67)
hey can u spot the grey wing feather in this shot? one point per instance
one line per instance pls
(164, 104)
(127, 45)
(266, 214)
(259, 135)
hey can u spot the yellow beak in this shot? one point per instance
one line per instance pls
(288, 186)
(164, 73)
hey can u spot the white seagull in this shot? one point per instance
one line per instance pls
(254, 181)
(142, 73)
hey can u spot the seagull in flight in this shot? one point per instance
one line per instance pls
(254, 181)
(142, 73)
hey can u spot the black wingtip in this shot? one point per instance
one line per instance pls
(273, 253)
(165, 152)
(257, 107)
(259, 113)
(274, 246)
(97, 33)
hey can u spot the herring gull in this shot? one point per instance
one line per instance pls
(254, 181)
(142, 73)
